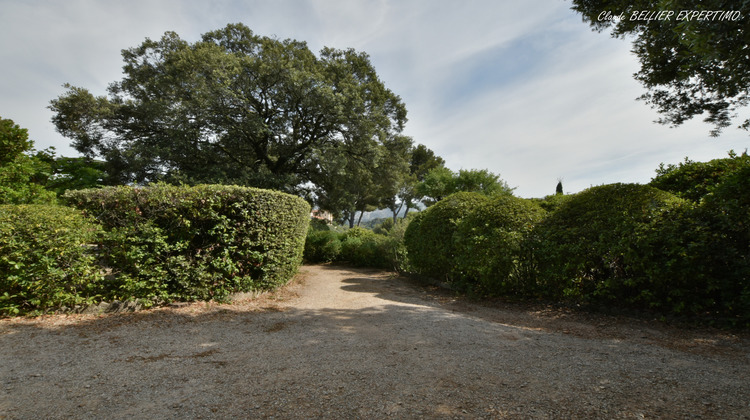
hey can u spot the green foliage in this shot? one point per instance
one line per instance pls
(360, 247)
(14, 141)
(584, 248)
(436, 184)
(694, 180)
(322, 246)
(421, 161)
(429, 236)
(696, 257)
(46, 259)
(398, 256)
(384, 227)
(488, 245)
(362, 175)
(75, 174)
(618, 245)
(441, 182)
(689, 65)
(727, 210)
(21, 173)
(552, 202)
(205, 242)
(232, 107)
(19, 182)
(357, 232)
(364, 248)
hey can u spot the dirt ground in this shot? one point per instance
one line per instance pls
(348, 343)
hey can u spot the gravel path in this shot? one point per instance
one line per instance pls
(352, 343)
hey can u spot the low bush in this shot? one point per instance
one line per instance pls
(366, 251)
(47, 259)
(322, 246)
(168, 242)
(360, 247)
(397, 254)
(488, 245)
(356, 246)
(429, 236)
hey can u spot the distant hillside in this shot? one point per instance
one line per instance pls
(373, 216)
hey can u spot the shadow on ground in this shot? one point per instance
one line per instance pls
(411, 351)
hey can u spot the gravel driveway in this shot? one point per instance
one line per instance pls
(352, 343)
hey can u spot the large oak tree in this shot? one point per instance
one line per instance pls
(233, 107)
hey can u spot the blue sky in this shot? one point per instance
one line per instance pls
(524, 89)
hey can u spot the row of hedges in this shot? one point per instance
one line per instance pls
(156, 244)
(622, 245)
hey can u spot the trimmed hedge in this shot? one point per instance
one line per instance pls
(169, 242)
(429, 236)
(694, 180)
(488, 245)
(46, 260)
(587, 249)
(725, 215)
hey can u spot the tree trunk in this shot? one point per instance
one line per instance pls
(361, 213)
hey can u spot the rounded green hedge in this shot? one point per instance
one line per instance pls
(587, 248)
(47, 259)
(488, 245)
(429, 236)
(694, 180)
(695, 258)
(725, 214)
(169, 242)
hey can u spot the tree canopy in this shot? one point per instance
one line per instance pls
(695, 56)
(233, 107)
(22, 171)
(440, 182)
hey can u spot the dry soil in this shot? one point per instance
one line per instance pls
(349, 343)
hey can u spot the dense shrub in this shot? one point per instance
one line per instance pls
(360, 247)
(696, 257)
(726, 210)
(398, 257)
(584, 250)
(551, 203)
(168, 242)
(46, 259)
(694, 180)
(366, 250)
(429, 237)
(488, 252)
(322, 246)
(19, 183)
(356, 246)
